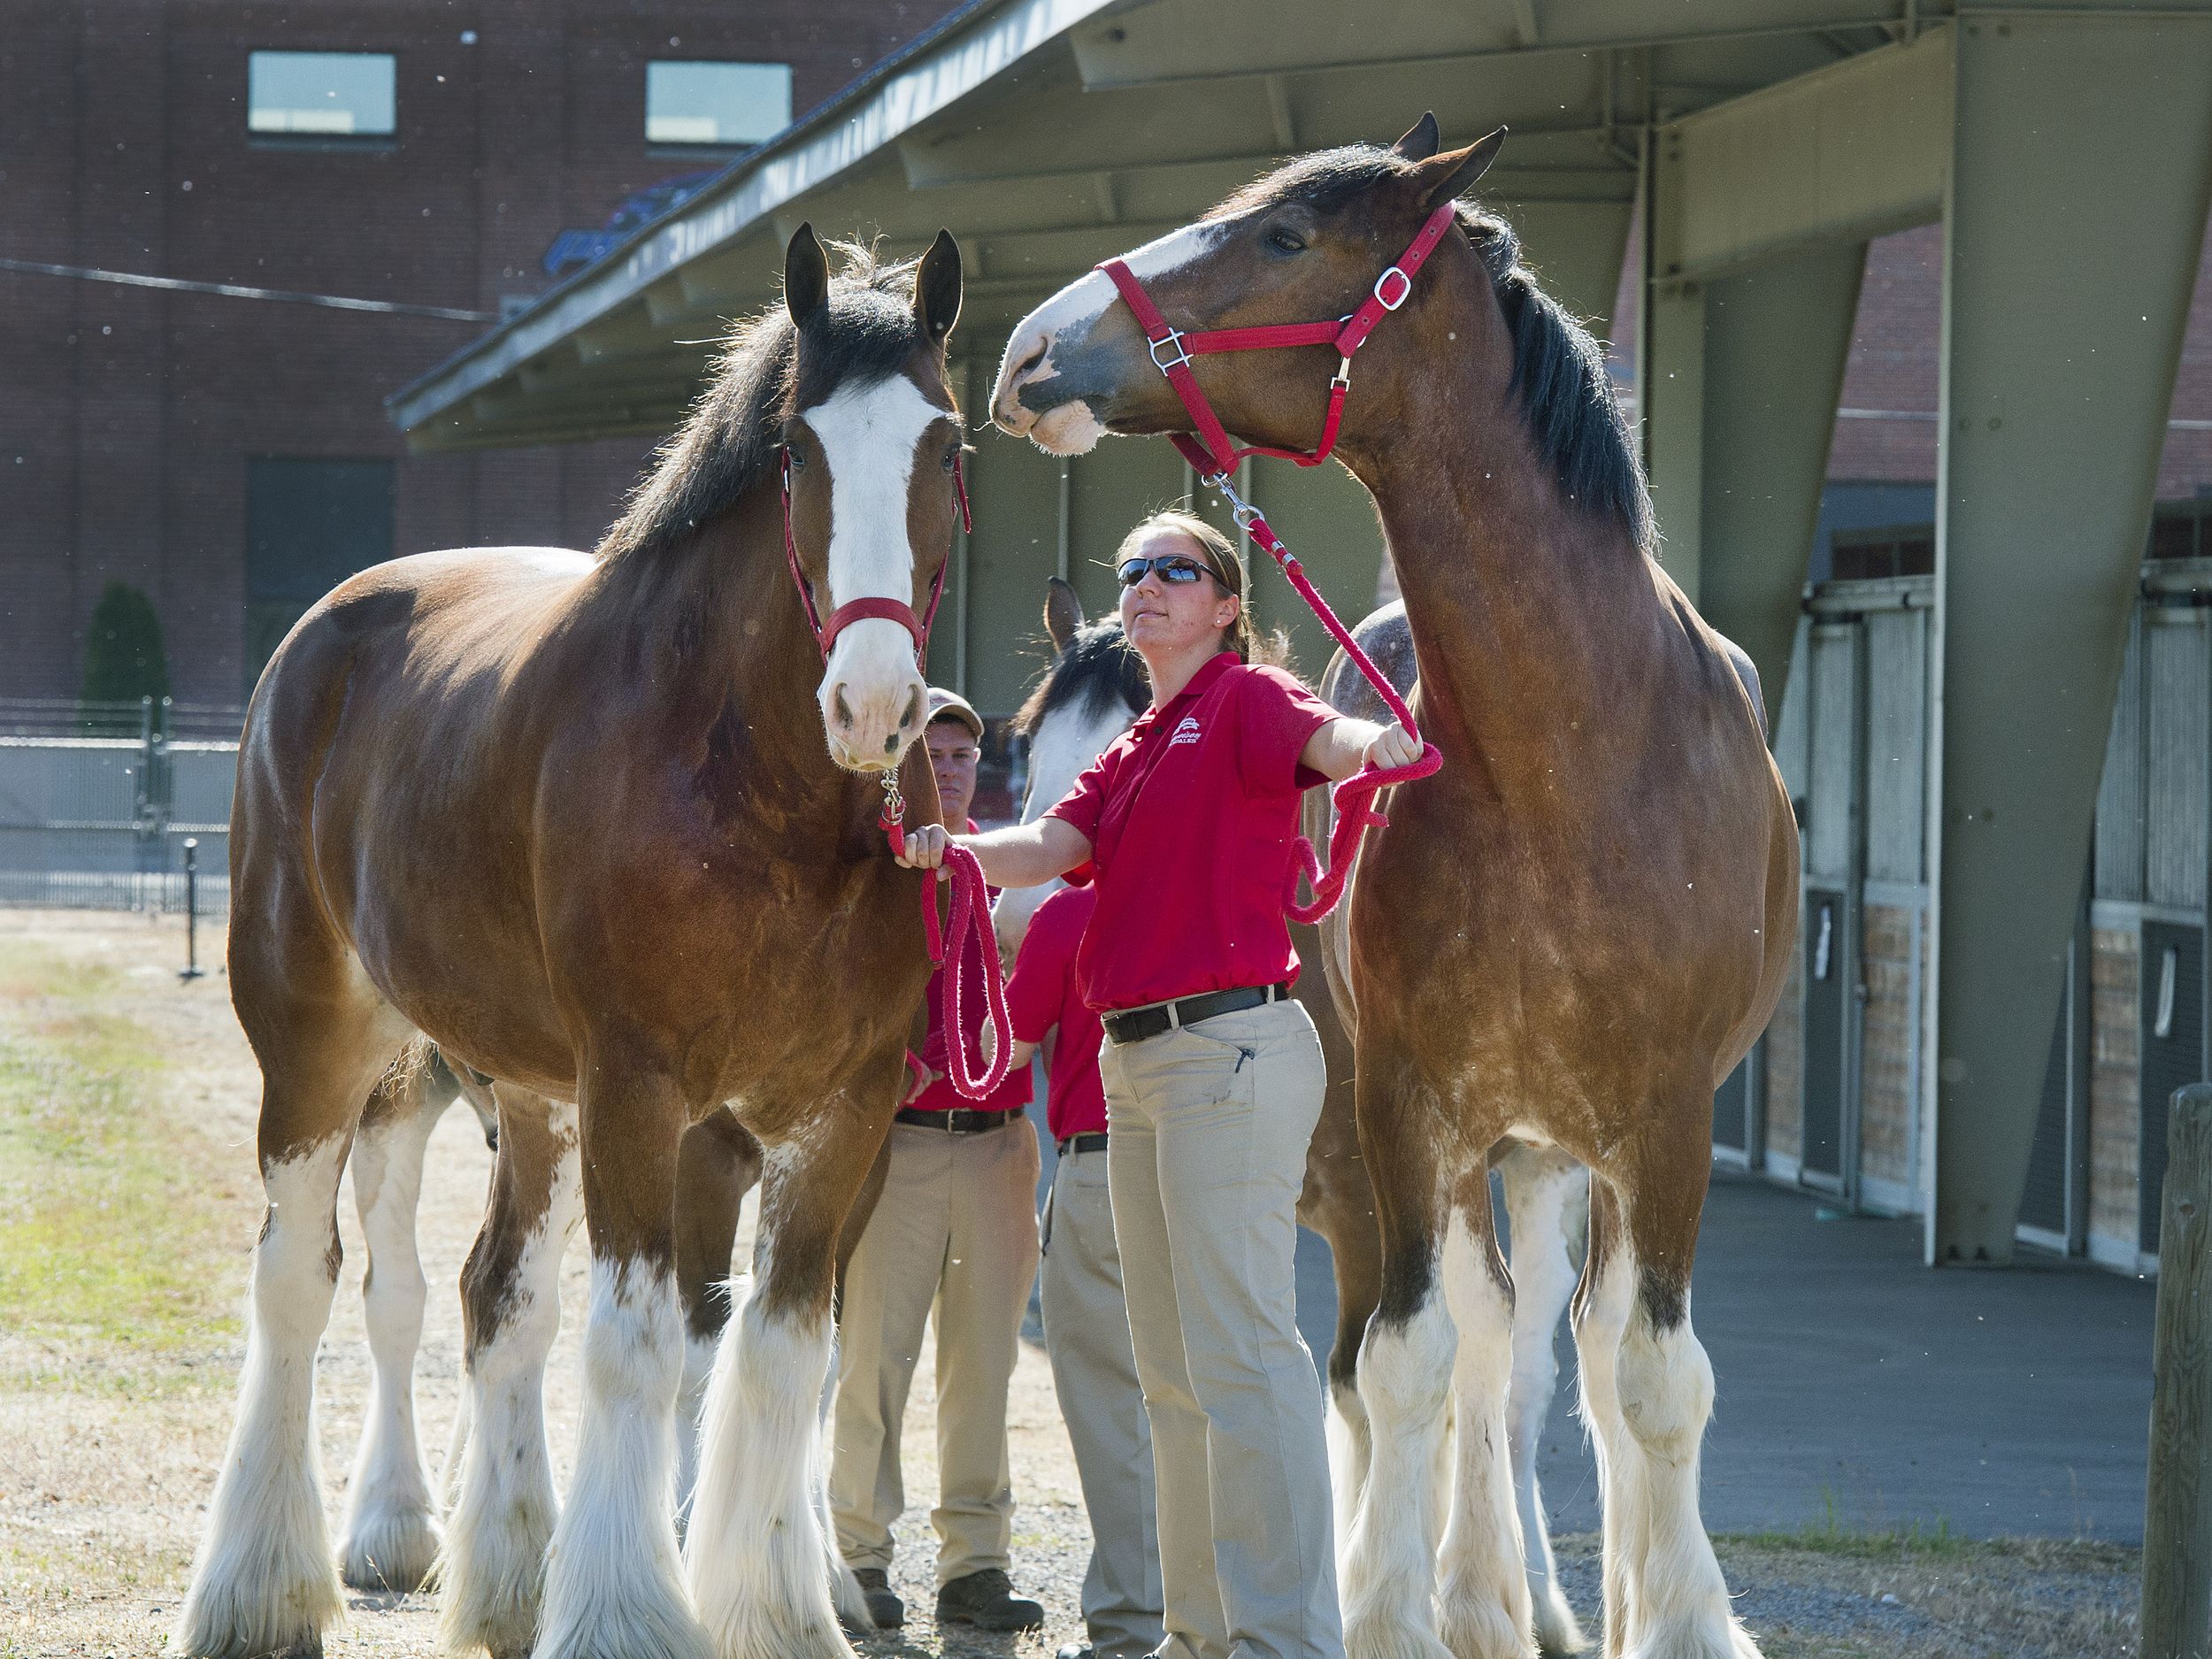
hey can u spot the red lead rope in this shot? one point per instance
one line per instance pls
(948, 941)
(1215, 457)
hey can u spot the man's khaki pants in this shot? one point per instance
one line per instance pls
(1094, 1372)
(1209, 1126)
(955, 1230)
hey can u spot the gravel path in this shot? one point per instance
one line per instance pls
(102, 1492)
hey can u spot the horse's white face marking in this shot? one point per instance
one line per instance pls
(1072, 427)
(872, 693)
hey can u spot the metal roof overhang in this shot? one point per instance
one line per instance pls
(1047, 134)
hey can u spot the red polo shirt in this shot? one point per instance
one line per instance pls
(1043, 994)
(1013, 1094)
(1192, 816)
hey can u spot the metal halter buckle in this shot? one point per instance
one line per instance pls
(1240, 510)
(1173, 340)
(1343, 375)
(1405, 289)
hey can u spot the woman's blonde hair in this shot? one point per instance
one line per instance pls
(1226, 559)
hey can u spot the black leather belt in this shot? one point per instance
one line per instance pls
(959, 1121)
(1139, 1023)
(1094, 1141)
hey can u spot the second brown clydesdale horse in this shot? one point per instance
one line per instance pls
(604, 828)
(1571, 934)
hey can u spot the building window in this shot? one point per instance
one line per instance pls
(321, 94)
(728, 104)
(310, 523)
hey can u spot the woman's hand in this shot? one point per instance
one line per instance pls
(1392, 748)
(924, 847)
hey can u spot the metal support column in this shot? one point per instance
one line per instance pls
(2075, 218)
(1776, 338)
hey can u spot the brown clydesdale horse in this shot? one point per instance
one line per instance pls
(1569, 934)
(604, 828)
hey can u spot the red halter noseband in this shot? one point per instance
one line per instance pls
(859, 610)
(1216, 456)
(1212, 452)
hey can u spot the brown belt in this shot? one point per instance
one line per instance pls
(1139, 1023)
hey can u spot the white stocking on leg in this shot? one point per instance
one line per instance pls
(1483, 1593)
(755, 1549)
(1546, 1199)
(391, 1536)
(1405, 1372)
(266, 1582)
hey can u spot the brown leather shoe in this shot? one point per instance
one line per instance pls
(987, 1600)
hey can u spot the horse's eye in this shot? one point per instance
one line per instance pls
(952, 458)
(1286, 241)
(798, 459)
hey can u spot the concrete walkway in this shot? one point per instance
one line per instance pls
(1856, 1384)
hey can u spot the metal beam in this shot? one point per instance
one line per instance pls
(1777, 339)
(905, 93)
(2075, 227)
(1282, 50)
(1840, 155)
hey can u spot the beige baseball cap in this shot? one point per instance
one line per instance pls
(951, 705)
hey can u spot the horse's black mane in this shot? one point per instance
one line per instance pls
(1559, 376)
(1097, 670)
(731, 437)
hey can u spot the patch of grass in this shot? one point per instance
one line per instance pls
(118, 1246)
(1832, 1535)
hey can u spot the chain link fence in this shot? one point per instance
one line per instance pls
(98, 800)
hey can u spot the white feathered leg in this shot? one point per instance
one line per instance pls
(1547, 1200)
(1405, 1370)
(493, 1572)
(391, 1536)
(266, 1582)
(756, 1552)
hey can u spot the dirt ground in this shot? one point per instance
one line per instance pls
(129, 1204)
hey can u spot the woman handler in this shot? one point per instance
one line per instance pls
(1214, 1081)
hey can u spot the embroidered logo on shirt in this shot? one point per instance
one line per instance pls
(1187, 732)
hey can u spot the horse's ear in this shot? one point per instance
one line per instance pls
(1063, 612)
(937, 287)
(805, 275)
(1447, 177)
(1421, 140)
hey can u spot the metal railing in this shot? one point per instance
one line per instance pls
(96, 801)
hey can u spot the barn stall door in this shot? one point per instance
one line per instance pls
(1833, 839)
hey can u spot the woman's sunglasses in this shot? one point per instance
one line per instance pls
(1173, 567)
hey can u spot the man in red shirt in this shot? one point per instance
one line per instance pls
(1087, 1322)
(957, 1229)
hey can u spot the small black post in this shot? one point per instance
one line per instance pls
(191, 908)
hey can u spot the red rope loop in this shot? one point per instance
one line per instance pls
(950, 939)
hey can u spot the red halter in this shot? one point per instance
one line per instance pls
(1215, 457)
(1211, 451)
(859, 610)
(951, 939)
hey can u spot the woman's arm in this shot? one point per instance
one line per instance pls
(1022, 856)
(1344, 745)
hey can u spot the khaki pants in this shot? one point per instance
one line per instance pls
(955, 1230)
(1209, 1126)
(1094, 1372)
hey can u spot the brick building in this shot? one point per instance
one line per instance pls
(231, 457)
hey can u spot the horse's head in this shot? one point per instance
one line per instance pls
(1305, 244)
(874, 442)
(1094, 688)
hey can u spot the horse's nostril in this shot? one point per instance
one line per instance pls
(1044, 345)
(839, 707)
(913, 708)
